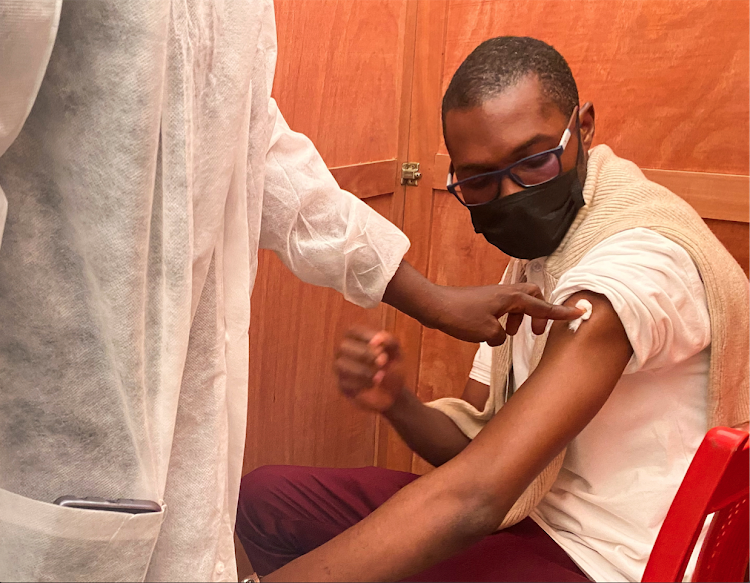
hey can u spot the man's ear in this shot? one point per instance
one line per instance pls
(586, 121)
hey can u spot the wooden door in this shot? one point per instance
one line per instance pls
(341, 78)
(669, 81)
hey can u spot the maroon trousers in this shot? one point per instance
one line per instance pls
(287, 511)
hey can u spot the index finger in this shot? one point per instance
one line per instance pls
(537, 308)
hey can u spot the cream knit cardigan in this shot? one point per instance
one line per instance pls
(619, 197)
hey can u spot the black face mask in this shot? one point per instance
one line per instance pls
(532, 223)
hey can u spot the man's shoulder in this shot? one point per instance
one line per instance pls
(634, 255)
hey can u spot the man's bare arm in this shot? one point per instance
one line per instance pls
(465, 499)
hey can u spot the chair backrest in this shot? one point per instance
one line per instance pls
(716, 482)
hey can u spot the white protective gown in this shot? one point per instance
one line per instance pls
(144, 163)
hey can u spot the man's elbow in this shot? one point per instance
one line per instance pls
(474, 510)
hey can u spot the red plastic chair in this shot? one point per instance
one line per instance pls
(716, 482)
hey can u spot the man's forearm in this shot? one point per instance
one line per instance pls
(428, 432)
(424, 522)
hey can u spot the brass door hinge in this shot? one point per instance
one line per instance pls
(410, 173)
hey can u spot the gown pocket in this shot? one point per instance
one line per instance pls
(40, 541)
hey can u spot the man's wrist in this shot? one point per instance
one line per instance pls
(433, 304)
(401, 404)
(415, 295)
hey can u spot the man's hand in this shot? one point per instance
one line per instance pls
(368, 365)
(472, 313)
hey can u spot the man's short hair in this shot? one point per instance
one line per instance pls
(501, 62)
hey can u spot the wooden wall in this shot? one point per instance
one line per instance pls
(668, 78)
(339, 75)
(339, 80)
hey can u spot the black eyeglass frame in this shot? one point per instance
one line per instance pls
(498, 174)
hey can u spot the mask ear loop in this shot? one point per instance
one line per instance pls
(577, 112)
(580, 160)
(565, 138)
(567, 133)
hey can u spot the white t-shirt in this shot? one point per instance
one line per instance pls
(623, 470)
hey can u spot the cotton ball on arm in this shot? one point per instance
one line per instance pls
(587, 308)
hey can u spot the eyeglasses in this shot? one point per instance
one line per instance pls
(527, 172)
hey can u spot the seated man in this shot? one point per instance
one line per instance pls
(573, 440)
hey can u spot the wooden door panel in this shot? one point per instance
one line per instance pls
(295, 413)
(339, 80)
(464, 258)
(339, 75)
(422, 135)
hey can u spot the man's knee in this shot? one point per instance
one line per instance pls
(261, 480)
(259, 493)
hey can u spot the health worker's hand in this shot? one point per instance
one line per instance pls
(472, 313)
(368, 365)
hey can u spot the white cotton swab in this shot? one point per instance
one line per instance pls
(586, 306)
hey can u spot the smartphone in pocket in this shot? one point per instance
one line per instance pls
(120, 505)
